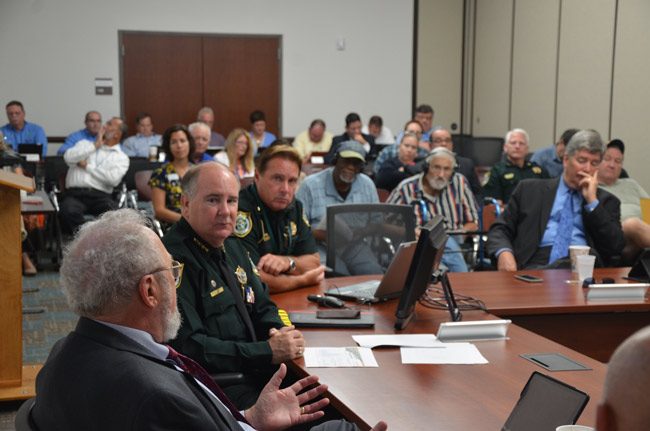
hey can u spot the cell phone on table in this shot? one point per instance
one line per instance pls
(528, 278)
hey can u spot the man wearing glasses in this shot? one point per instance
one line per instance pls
(442, 138)
(229, 322)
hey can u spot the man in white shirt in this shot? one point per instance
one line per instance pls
(94, 169)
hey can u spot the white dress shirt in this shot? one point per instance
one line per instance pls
(105, 169)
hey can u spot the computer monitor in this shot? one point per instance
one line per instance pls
(426, 259)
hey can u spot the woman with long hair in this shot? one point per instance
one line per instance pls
(238, 154)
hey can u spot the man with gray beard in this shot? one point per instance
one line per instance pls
(113, 372)
(441, 191)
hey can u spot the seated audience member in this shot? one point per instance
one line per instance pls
(272, 226)
(239, 154)
(630, 193)
(206, 115)
(316, 139)
(342, 183)
(550, 158)
(93, 122)
(391, 151)
(623, 406)
(165, 182)
(229, 321)
(95, 168)
(352, 133)
(18, 131)
(201, 134)
(506, 174)
(424, 116)
(441, 191)
(545, 216)
(394, 170)
(377, 130)
(115, 369)
(442, 138)
(258, 134)
(138, 145)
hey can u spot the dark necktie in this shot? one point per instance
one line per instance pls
(562, 240)
(191, 367)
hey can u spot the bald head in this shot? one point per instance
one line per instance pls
(624, 406)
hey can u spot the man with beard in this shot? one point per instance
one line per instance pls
(441, 191)
(272, 226)
(229, 322)
(113, 372)
(342, 183)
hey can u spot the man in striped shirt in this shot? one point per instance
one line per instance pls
(440, 190)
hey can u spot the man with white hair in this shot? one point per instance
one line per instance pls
(624, 404)
(114, 372)
(441, 191)
(506, 174)
(201, 134)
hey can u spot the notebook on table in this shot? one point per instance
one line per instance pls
(391, 284)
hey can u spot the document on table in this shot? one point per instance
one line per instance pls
(341, 357)
(452, 353)
(402, 340)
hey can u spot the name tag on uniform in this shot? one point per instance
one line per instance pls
(216, 292)
(173, 177)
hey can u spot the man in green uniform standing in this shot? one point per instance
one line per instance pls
(229, 321)
(272, 226)
(505, 175)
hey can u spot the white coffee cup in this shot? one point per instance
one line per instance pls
(574, 428)
(585, 264)
(577, 250)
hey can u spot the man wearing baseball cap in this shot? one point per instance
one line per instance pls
(343, 183)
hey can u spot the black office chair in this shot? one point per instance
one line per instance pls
(23, 421)
(366, 236)
(485, 152)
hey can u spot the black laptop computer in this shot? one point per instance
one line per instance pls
(391, 284)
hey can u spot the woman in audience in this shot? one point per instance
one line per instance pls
(238, 154)
(260, 137)
(396, 169)
(165, 182)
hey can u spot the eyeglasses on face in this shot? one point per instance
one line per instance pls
(176, 269)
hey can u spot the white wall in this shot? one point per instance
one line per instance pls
(53, 50)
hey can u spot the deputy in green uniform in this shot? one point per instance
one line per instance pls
(229, 321)
(271, 223)
(505, 175)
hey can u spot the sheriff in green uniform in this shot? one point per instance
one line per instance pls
(505, 175)
(272, 226)
(229, 321)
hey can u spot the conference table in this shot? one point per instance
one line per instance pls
(463, 397)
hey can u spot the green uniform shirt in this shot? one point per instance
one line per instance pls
(213, 331)
(504, 177)
(262, 231)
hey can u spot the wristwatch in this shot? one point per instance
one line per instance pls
(292, 264)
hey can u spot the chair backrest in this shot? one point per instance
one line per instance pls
(483, 151)
(366, 236)
(54, 170)
(137, 164)
(383, 195)
(489, 215)
(23, 421)
(142, 184)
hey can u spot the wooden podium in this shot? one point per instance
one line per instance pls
(15, 383)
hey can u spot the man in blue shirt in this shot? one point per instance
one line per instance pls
(93, 123)
(545, 216)
(18, 131)
(138, 145)
(550, 158)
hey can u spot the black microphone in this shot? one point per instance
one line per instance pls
(326, 301)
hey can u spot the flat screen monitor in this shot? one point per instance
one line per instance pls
(426, 259)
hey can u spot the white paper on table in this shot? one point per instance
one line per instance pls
(341, 357)
(402, 340)
(454, 353)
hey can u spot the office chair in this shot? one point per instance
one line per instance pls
(23, 421)
(366, 234)
(485, 152)
(140, 199)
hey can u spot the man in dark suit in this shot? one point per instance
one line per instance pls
(113, 373)
(352, 133)
(536, 228)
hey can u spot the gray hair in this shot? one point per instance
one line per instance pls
(198, 125)
(522, 131)
(204, 110)
(189, 183)
(105, 262)
(442, 152)
(587, 139)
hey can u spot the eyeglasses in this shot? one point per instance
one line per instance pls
(176, 269)
(442, 140)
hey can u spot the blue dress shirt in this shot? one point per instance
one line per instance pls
(30, 134)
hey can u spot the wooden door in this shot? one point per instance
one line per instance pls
(171, 76)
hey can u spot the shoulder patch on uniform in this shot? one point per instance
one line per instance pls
(293, 227)
(508, 175)
(243, 224)
(537, 170)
